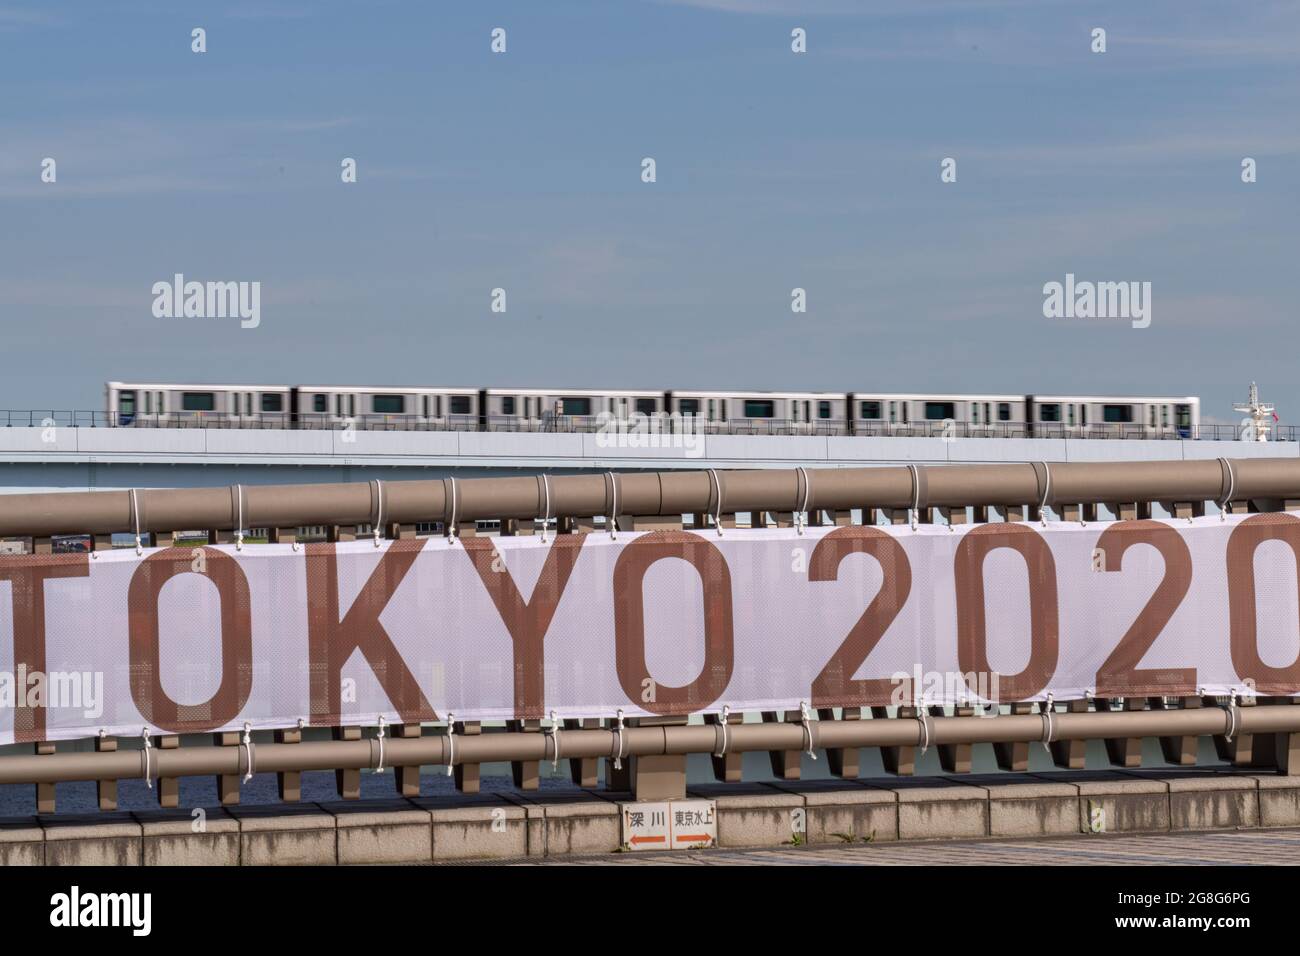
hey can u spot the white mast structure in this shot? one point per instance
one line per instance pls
(1260, 416)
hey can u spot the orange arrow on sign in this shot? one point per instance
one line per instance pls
(647, 839)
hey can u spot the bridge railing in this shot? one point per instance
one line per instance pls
(658, 423)
(646, 755)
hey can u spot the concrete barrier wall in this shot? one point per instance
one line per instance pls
(514, 825)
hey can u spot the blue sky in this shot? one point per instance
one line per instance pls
(775, 171)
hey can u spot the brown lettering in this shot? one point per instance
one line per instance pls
(629, 621)
(1242, 613)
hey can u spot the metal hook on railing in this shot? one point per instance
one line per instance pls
(1232, 715)
(1226, 503)
(148, 745)
(801, 515)
(248, 742)
(618, 755)
(1049, 709)
(924, 718)
(546, 518)
(717, 515)
(726, 713)
(451, 742)
(135, 522)
(379, 510)
(613, 505)
(380, 737)
(805, 718)
(554, 734)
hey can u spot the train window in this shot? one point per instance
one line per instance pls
(869, 410)
(508, 405)
(575, 406)
(460, 405)
(1164, 416)
(1152, 416)
(759, 408)
(126, 403)
(1183, 414)
(647, 406)
(1070, 411)
(893, 412)
(938, 411)
(1004, 411)
(437, 406)
(1083, 415)
(975, 413)
(424, 406)
(712, 411)
(198, 401)
(823, 409)
(272, 402)
(688, 406)
(162, 405)
(1117, 414)
(1049, 413)
(388, 404)
(320, 403)
(148, 403)
(352, 405)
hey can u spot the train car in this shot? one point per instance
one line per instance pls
(176, 406)
(764, 413)
(937, 415)
(573, 409)
(1091, 416)
(370, 407)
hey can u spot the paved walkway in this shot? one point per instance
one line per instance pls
(1253, 847)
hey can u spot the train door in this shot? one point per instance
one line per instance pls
(1183, 420)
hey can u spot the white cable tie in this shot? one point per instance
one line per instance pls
(380, 737)
(1232, 715)
(1049, 708)
(148, 745)
(239, 517)
(618, 757)
(717, 516)
(912, 513)
(379, 509)
(135, 521)
(451, 742)
(801, 515)
(546, 518)
(451, 525)
(248, 742)
(726, 713)
(554, 734)
(613, 496)
(1047, 493)
(806, 717)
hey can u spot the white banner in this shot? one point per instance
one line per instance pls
(184, 640)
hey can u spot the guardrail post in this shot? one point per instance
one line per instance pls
(1181, 751)
(954, 758)
(227, 783)
(45, 791)
(786, 764)
(407, 779)
(106, 790)
(900, 761)
(288, 782)
(348, 781)
(1015, 756)
(842, 761)
(584, 771)
(1123, 751)
(1071, 754)
(169, 788)
(659, 776)
(526, 773)
(727, 768)
(466, 775)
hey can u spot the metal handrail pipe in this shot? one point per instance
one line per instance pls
(494, 747)
(655, 493)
